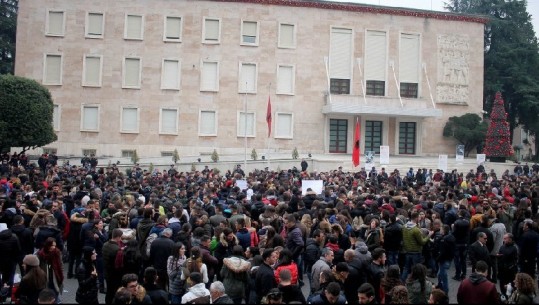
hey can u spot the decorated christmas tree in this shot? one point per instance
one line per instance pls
(497, 143)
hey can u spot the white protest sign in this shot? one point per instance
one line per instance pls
(316, 185)
(242, 184)
(384, 155)
(481, 158)
(442, 162)
(459, 157)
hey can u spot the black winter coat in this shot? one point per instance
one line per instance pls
(393, 237)
(26, 239)
(447, 248)
(11, 249)
(87, 291)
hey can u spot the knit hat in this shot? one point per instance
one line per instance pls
(31, 260)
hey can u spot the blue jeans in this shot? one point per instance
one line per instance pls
(175, 299)
(460, 260)
(443, 282)
(392, 258)
(411, 260)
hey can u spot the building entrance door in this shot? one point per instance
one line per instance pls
(373, 136)
(338, 133)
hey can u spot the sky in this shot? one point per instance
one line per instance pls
(438, 5)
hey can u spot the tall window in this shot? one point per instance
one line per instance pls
(90, 118)
(249, 33)
(407, 134)
(134, 27)
(212, 30)
(128, 153)
(246, 124)
(285, 79)
(284, 125)
(209, 76)
(56, 117)
(52, 72)
(131, 73)
(130, 120)
(287, 36)
(55, 24)
(170, 76)
(247, 79)
(173, 29)
(92, 70)
(207, 124)
(340, 60)
(94, 25)
(409, 65)
(375, 62)
(169, 121)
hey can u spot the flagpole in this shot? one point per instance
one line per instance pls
(269, 135)
(245, 127)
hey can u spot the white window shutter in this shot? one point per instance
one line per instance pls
(173, 28)
(340, 54)
(129, 119)
(56, 23)
(90, 118)
(95, 24)
(246, 119)
(56, 117)
(409, 58)
(209, 77)
(286, 79)
(207, 123)
(248, 78)
(375, 57)
(93, 69)
(212, 29)
(169, 118)
(134, 27)
(171, 73)
(132, 72)
(249, 28)
(287, 35)
(284, 125)
(53, 69)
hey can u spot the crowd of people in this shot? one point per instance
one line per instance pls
(166, 236)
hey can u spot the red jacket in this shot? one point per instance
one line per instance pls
(293, 270)
(477, 290)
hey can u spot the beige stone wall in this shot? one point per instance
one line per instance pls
(313, 34)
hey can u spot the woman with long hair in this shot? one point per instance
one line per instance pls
(50, 259)
(194, 264)
(96, 238)
(524, 289)
(286, 262)
(174, 269)
(374, 236)
(390, 280)
(399, 295)
(418, 286)
(132, 257)
(87, 277)
(33, 281)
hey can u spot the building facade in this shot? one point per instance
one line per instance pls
(197, 75)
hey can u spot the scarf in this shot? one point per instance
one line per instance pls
(54, 259)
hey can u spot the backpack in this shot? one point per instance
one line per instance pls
(148, 244)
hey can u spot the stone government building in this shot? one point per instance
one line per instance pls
(196, 75)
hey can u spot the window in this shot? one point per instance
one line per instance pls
(131, 73)
(247, 78)
(128, 153)
(340, 60)
(375, 87)
(209, 77)
(373, 135)
(287, 36)
(90, 118)
(246, 124)
(92, 66)
(170, 75)
(407, 131)
(173, 29)
(169, 121)
(409, 90)
(211, 32)
(49, 150)
(89, 152)
(409, 65)
(284, 125)
(339, 86)
(285, 79)
(167, 153)
(375, 62)
(207, 123)
(56, 117)
(52, 74)
(95, 25)
(130, 116)
(134, 27)
(249, 33)
(55, 24)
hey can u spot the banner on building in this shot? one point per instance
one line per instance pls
(460, 153)
(442, 162)
(384, 155)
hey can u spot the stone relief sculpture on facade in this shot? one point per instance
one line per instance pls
(453, 69)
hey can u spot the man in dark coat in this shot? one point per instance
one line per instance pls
(461, 231)
(160, 250)
(113, 276)
(11, 253)
(376, 270)
(265, 278)
(507, 262)
(208, 259)
(479, 251)
(392, 240)
(157, 295)
(26, 239)
(528, 245)
(356, 276)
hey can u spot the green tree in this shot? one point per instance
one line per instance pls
(26, 116)
(511, 59)
(467, 129)
(134, 157)
(254, 155)
(175, 156)
(8, 30)
(215, 156)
